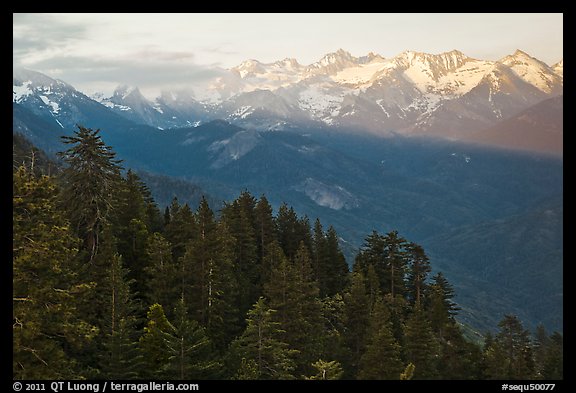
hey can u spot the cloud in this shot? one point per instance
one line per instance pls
(83, 53)
(41, 32)
(150, 70)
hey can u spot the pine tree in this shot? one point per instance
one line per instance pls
(209, 281)
(293, 292)
(388, 255)
(131, 230)
(356, 317)
(418, 269)
(336, 269)
(395, 259)
(382, 358)
(163, 275)
(420, 346)
(333, 346)
(121, 358)
(553, 362)
(189, 349)
(288, 230)
(239, 218)
(264, 224)
(261, 346)
(510, 354)
(92, 177)
(153, 345)
(181, 229)
(49, 334)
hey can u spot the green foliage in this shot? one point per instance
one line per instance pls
(420, 345)
(189, 349)
(326, 370)
(356, 318)
(382, 358)
(91, 180)
(509, 355)
(242, 295)
(48, 331)
(261, 345)
(408, 372)
(152, 344)
(120, 358)
(162, 273)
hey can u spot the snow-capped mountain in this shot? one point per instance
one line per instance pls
(57, 102)
(448, 94)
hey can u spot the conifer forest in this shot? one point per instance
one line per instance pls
(108, 285)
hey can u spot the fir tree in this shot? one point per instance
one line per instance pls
(92, 177)
(382, 358)
(418, 269)
(163, 274)
(420, 345)
(510, 354)
(553, 361)
(189, 349)
(121, 358)
(356, 317)
(153, 345)
(49, 333)
(261, 345)
(293, 292)
(240, 221)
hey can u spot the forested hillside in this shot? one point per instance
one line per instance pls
(108, 286)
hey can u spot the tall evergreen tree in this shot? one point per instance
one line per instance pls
(49, 333)
(181, 229)
(420, 345)
(121, 358)
(261, 346)
(265, 231)
(553, 361)
(163, 275)
(510, 354)
(210, 283)
(395, 259)
(293, 292)
(153, 345)
(239, 218)
(288, 230)
(91, 179)
(189, 348)
(337, 271)
(131, 229)
(418, 269)
(356, 317)
(382, 359)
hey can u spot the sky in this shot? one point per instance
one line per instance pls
(97, 52)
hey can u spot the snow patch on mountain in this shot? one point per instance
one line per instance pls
(54, 105)
(359, 75)
(233, 148)
(21, 91)
(531, 70)
(331, 196)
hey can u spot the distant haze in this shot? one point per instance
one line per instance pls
(96, 52)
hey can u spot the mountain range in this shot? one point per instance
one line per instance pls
(364, 144)
(447, 95)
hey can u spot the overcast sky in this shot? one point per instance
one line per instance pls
(99, 51)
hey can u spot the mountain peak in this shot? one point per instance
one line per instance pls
(124, 91)
(520, 53)
(339, 56)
